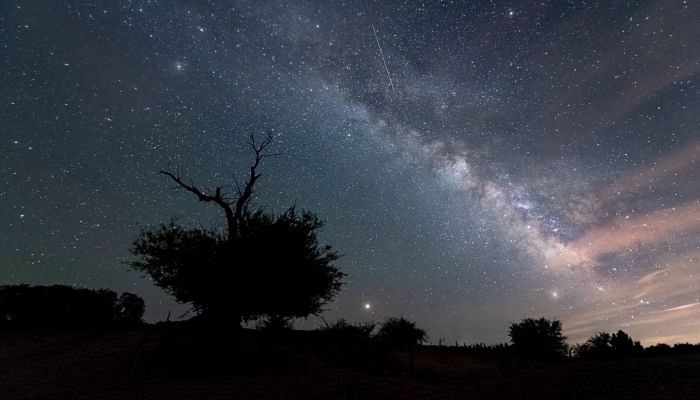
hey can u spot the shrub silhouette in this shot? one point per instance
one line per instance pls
(130, 308)
(501, 349)
(402, 334)
(597, 346)
(538, 338)
(605, 345)
(659, 349)
(623, 345)
(264, 266)
(275, 323)
(64, 307)
(342, 326)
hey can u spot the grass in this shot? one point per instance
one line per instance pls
(182, 363)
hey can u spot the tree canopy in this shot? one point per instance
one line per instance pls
(538, 337)
(401, 333)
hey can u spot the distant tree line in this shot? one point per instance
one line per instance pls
(542, 338)
(24, 307)
(605, 345)
(662, 349)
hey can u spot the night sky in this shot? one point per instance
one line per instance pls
(475, 162)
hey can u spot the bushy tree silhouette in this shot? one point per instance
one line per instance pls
(402, 334)
(605, 345)
(597, 346)
(64, 307)
(538, 338)
(264, 266)
(623, 345)
(130, 308)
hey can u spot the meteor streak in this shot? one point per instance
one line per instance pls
(383, 60)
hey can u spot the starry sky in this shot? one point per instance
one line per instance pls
(476, 162)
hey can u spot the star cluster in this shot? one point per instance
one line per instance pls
(475, 162)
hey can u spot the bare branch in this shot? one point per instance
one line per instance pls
(243, 195)
(270, 155)
(217, 198)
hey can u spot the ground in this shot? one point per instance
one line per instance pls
(309, 365)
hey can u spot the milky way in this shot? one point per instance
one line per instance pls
(475, 162)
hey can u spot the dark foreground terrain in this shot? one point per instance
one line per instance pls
(179, 363)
